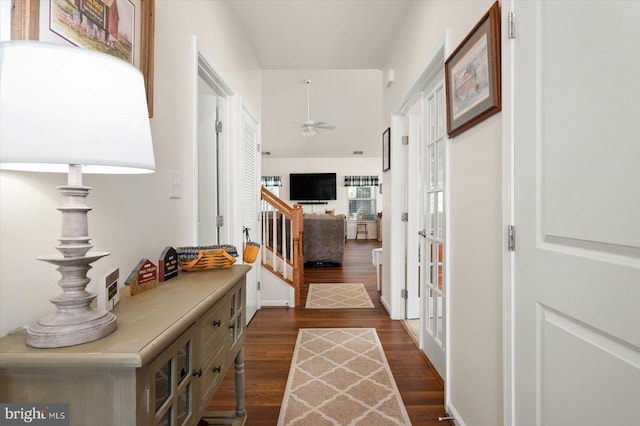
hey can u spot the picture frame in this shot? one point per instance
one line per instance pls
(26, 25)
(97, 25)
(473, 75)
(386, 150)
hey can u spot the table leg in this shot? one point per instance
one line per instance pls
(239, 365)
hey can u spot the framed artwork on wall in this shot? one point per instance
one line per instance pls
(105, 26)
(386, 150)
(472, 74)
(122, 28)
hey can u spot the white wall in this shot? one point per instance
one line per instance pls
(341, 166)
(475, 345)
(133, 217)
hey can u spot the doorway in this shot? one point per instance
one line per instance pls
(208, 168)
(226, 197)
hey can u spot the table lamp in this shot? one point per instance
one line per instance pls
(69, 109)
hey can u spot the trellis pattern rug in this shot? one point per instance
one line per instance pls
(338, 295)
(340, 376)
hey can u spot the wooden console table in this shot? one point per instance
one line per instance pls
(162, 366)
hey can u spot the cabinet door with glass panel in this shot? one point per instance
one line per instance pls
(170, 383)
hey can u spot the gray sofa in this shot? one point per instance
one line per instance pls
(323, 238)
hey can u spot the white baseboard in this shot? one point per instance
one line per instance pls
(457, 417)
(385, 304)
(271, 303)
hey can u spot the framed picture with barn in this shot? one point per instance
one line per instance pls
(104, 25)
(472, 74)
(122, 28)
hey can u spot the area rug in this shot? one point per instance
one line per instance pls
(338, 295)
(340, 376)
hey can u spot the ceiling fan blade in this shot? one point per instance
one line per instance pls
(326, 127)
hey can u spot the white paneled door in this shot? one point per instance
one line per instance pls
(412, 284)
(577, 213)
(208, 164)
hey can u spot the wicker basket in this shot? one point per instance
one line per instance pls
(251, 250)
(207, 259)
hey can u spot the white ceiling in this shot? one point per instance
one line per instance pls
(351, 100)
(321, 34)
(342, 46)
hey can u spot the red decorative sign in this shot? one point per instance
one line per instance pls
(144, 277)
(148, 272)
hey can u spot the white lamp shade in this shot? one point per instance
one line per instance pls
(62, 105)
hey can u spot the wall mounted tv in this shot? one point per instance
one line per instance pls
(312, 186)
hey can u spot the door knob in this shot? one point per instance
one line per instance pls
(422, 233)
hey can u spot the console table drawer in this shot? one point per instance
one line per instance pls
(213, 372)
(212, 326)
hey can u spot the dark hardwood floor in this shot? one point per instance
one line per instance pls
(272, 333)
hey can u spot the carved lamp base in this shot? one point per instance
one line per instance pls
(74, 322)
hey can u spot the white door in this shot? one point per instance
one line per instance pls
(577, 213)
(208, 165)
(250, 204)
(433, 227)
(413, 222)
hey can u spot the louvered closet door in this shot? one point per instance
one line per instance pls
(250, 203)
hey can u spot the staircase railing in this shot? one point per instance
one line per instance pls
(282, 239)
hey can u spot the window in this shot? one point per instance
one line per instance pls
(275, 190)
(362, 201)
(272, 184)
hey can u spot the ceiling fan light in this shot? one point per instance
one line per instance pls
(308, 131)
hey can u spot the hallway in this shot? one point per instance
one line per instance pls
(271, 337)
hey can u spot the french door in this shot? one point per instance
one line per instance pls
(433, 227)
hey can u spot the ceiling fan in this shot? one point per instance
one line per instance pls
(310, 127)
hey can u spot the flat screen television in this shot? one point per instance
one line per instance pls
(312, 186)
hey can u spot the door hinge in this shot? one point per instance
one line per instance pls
(219, 221)
(511, 238)
(511, 26)
(405, 140)
(404, 217)
(258, 285)
(404, 293)
(218, 126)
(258, 147)
(148, 397)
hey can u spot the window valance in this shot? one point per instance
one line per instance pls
(271, 181)
(361, 181)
